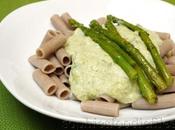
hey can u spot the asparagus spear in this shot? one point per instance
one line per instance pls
(150, 46)
(146, 87)
(134, 52)
(110, 48)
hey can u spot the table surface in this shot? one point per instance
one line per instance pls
(16, 116)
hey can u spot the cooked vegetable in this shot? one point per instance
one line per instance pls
(110, 48)
(134, 53)
(150, 46)
(146, 87)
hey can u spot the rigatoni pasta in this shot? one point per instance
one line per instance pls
(99, 107)
(163, 35)
(64, 80)
(51, 46)
(59, 24)
(49, 35)
(101, 20)
(67, 70)
(66, 17)
(63, 57)
(165, 101)
(59, 68)
(105, 98)
(62, 92)
(48, 86)
(46, 66)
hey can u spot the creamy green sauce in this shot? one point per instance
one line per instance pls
(94, 73)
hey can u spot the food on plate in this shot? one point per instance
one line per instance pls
(64, 80)
(65, 17)
(67, 70)
(163, 35)
(44, 65)
(51, 46)
(48, 86)
(59, 24)
(59, 67)
(166, 46)
(49, 35)
(171, 89)
(102, 108)
(105, 98)
(108, 66)
(164, 101)
(62, 92)
(171, 68)
(63, 57)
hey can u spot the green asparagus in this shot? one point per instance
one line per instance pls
(150, 46)
(146, 87)
(134, 53)
(110, 48)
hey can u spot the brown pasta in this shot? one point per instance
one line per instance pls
(102, 108)
(171, 68)
(101, 20)
(171, 52)
(49, 35)
(59, 68)
(122, 106)
(46, 66)
(66, 17)
(59, 24)
(67, 70)
(62, 92)
(165, 48)
(171, 60)
(163, 35)
(48, 86)
(63, 57)
(164, 101)
(64, 80)
(105, 98)
(51, 46)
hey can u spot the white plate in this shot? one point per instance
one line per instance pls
(22, 31)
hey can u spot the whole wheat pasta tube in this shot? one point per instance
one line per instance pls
(105, 98)
(122, 106)
(101, 20)
(101, 108)
(165, 48)
(63, 57)
(165, 59)
(171, 68)
(62, 92)
(59, 24)
(64, 80)
(171, 60)
(48, 86)
(46, 66)
(171, 88)
(163, 35)
(66, 17)
(51, 46)
(67, 70)
(59, 68)
(49, 35)
(171, 52)
(164, 101)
